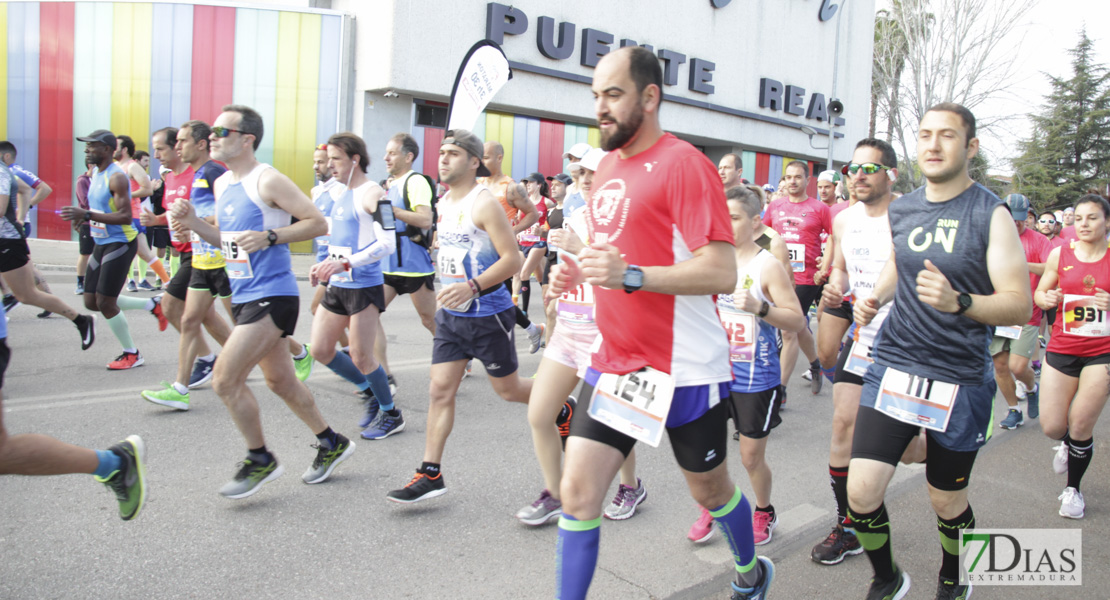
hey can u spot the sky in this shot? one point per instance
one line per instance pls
(1041, 42)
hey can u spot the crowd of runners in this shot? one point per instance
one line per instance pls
(677, 298)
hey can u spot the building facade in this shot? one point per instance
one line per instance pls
(741, 76)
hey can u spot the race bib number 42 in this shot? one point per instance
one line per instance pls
(740, 327)
(1082, 317)
(916, 400)
(238, 262)
(635, 404)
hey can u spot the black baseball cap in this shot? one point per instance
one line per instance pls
(562, 178)
(100, 135)
(536, 178)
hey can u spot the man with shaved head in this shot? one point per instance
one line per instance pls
(670, 372)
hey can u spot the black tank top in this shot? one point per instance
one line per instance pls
(764, 241)
(555, 218)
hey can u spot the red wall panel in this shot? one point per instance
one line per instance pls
(56, 116)
(213, 61)
(432, 139)
(762, 165)
(811, 189)
(551, 147)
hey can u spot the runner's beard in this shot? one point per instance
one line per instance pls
(626, 130)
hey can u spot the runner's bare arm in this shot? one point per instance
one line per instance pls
(518, 199)
(489, 217)
(276, 189)
(712, 270)
(1048, 296)
(786, 314)
(136, 172)
(1011, 303)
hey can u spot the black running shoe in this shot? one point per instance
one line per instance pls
(86, 326)
(895, 589)
(9, 303)
(952, 590)
(838, 545)
(44, 314)
(420, 488)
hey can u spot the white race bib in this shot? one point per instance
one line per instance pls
(741, 330)
(1082, 317)
(238, 262)
(916, 400)
(577, 306)
(338, 253)
(98, 229)
(859, 359)
(452, 269)
(797, 256)
(636, 404)
(1012, 332)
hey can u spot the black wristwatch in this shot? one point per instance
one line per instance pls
(272, 237)
(633, 279)
(88, 216)
(764, 309)
(964, 300)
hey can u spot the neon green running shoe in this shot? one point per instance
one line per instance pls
(168, 397)
(128, 483)
(304, 365)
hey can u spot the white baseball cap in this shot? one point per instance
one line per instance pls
(590, 160)
(577, 151)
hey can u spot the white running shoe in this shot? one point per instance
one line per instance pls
(1060, 460)
(1071, 503)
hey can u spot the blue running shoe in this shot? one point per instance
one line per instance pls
(202, 373)
(372, 408)
(385, 425)
(1033, 397)
(758, 592)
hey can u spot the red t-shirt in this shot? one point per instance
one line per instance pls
(800, 225)
(1067, 234)
(658, 207)
(1079, 278)
(174, 187)
(1036, 247)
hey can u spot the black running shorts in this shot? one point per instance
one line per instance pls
(108, 268)
(179, 284)
(351, 301)
(13, 254)
(283, 312)
(403, 284)
(213, 281)
(489, 339)
(756, 414)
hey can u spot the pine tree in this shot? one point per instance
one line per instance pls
(1068, 151)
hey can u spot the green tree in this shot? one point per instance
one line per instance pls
(1068, 151)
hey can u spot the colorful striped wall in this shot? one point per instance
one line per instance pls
(66, 69)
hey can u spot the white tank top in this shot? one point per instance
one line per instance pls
(866, 244)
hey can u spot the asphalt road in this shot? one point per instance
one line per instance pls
(60, 537)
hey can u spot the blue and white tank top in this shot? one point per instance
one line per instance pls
(753, 349)
(465, 251)
(267, 272)
(100, 200)
(323, 196)
(865, 243)
(352, 231)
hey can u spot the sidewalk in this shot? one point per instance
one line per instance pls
(55, 255)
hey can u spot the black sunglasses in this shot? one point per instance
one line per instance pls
(222, 132)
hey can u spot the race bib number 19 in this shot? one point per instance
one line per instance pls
(238, 262)
(916, 400)
(635, 404)
(1082, 317)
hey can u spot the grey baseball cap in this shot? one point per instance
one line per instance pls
(100, 135)
(469, 142)
(1019, 206)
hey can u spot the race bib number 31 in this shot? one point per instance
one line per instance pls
(238, 262)
(916, 400)
(1082, 317)
(635, 404)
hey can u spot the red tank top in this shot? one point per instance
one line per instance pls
(534, 234)
(1078, 281)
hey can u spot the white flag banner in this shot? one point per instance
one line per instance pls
(482, 73)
